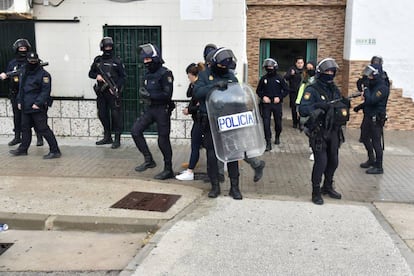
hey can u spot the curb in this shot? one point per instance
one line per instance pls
(45, 222)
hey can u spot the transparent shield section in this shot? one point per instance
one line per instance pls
(235, 122)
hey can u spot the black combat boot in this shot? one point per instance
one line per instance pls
(268, 145)
(215, 189)
(258, 172)
(39, 142)
(327, 189)
(234, 189)
(107, 139)
(148, 163)
(18, 152)
(277, 140)
(166, 173)
(376, 169)
(117, 143)
(316, 195)
(370, 162)
(16, 140)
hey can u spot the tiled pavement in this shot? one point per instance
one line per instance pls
(287, 171)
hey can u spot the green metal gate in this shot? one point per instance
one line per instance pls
(10, 31)
(126, 42)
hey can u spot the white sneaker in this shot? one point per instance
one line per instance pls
(311, 157)
(186, 175)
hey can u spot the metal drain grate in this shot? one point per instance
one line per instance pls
(147, 201)
(4, 247)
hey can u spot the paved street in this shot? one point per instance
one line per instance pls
(274, 229)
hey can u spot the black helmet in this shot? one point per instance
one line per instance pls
(270, 62)
(21, 42)
(224, 57)
(150, 51)
(326, 64)
(208, 49)
(106, 41)
(33, 57)
(377, 60)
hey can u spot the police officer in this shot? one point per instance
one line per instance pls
(324, 127)
(271, 91)
(375, 95)
(294, 78)
(158, 89)
(107, 69)
(20, 47)
(363, 81)
(33, 99)
(218, 75)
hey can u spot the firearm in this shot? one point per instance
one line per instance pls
(109, 83)
(17, 71)
(353, 95)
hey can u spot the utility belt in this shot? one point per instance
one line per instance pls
(379, 119)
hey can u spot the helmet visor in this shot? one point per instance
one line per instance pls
(225, 57)
(369, 70)
(326, 64)
(148, 51)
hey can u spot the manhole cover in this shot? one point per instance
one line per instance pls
(147, 201)
(4, 247)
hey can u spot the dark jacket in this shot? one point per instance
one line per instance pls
(35, 87)
(295, 80)
(272, 85)
(160, 85)
(376, 98)
(14, 65)
(207, 82)
(112, 66)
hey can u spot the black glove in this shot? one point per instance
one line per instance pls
(321, 105)
(222, 85)
(362, 82)
(144, 93)
(358, 108)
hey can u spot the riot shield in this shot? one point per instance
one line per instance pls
(235, 122)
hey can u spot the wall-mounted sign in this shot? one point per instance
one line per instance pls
(365, 41)
(196, 9)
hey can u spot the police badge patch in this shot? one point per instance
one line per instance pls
(170, 80)
(211, 77)
(323, 97)
(45, 79)
(307, 96)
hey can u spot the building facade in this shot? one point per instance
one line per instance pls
(67, 35)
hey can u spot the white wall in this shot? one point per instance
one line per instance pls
(71, 47)
(390, 24)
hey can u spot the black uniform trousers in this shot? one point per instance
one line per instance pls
(212, 164)
(371, 133)
(162, 116)
(109, 108)
(38, 120)
(267, 110)
(17, 115)
(292, 104)
(325, 148)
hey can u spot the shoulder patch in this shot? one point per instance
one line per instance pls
(378, 94)
(307, 95)
(323, 97)
(211, 77)
(46, 80)
(265, 81)
(170, 79)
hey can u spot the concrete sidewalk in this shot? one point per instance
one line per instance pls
(269, 237)
(274, 230)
